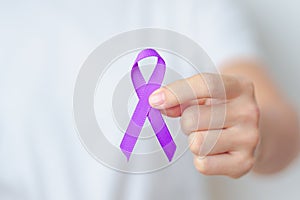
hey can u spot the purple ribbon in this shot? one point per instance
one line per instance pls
(144, 110)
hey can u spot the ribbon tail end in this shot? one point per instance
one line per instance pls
(170, 150)
(127, 154)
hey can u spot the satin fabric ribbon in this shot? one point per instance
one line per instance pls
(144, 110)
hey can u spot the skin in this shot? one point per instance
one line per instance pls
(260, 129)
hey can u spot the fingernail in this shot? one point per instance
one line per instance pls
(157, 98)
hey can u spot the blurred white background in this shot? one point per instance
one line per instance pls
(278, 27)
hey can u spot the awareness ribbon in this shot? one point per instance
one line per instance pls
(144, 110)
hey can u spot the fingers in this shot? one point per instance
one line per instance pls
(177, 111)
(223, 129)
(211, 142)
(242, 112)
(232, 165)
(195, 87)
(227, 152)
(203, 117)
(214, 142)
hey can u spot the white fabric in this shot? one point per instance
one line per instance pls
(42, 46)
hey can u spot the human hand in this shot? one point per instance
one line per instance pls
(209, 104)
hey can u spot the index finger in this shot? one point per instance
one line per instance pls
(196, 87)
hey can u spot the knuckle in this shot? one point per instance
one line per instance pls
(251, 138)
(248, 86)
(196, 79)
(245, 164)
(188, 120)
(202, 166)
(206, 80)
(250, 113)
(254, 111)
(196, 143)
(194, 148)
(201, 78)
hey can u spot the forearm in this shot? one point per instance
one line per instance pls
(279, 131)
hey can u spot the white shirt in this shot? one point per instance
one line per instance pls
(42, 46)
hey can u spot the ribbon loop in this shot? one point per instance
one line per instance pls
(144, 110)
